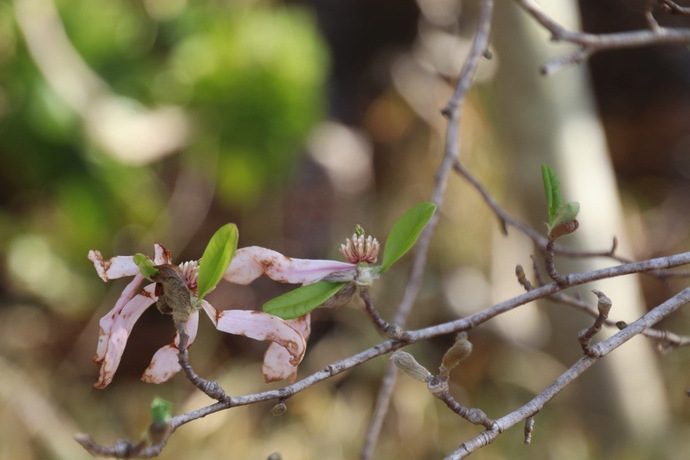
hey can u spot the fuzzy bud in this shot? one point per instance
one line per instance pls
(461, 349)
(406, 362)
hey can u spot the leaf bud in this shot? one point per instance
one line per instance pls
(406, 362)
(460, 350)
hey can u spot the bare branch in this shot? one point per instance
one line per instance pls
(604, 306)
(392, 331)
(452, 151)
(209, 387)
(584, 363)
(594, 43)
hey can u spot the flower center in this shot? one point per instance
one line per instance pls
(190, 274)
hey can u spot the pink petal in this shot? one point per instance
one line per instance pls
(252, 262)
(115, 267)
(258, 326)
(106, 323)
(165, 364)
(162, 255)
(277, 365)
(115, 331)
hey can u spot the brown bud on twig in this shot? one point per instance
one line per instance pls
(406, 362)
(563, 229)
(460, 350)
(279, 409)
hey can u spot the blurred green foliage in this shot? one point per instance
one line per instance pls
(249, 75)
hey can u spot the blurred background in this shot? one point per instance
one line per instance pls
(133, 121)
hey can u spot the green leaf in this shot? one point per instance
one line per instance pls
(552, 187)
(146, 267)
(216, 258)
(405, 232)
(160, 410)
(566, 213)
(302, 300)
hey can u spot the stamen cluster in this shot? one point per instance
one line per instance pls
(360, 248)
(190, 274)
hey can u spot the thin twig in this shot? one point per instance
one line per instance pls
(439, 388)
(591, 44)
(392, 331)
(210, 387)
(668, 341)
(453, 112)
(599, 350)
(551, 266)
(462, 324)
(604, 306)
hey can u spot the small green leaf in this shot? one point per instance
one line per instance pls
(566, 213)
(161, 410)
(302, 300)
(405, 232)
(217, 256)
(146, 267)
(552, 187)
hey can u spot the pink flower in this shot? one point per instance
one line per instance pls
(252, 262)
(289, 338)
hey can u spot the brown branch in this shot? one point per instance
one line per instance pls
(458, 325)
(604, 306)
(439, 388)
(597, 351)
(453, 112)
(668, 341)
(209, 387)
(392, 331)
(537, 238)
(591, 44)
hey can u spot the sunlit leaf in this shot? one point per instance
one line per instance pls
(552, 187)
(302, 300)
(216, 258)
(146, 266)
(405, 232)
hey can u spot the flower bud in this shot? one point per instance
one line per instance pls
(410, 366)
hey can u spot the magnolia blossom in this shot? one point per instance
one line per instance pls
(252, 262)
(288, 337)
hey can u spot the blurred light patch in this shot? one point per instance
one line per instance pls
(441, 13)
(441, 51)
(345, 155)
(134, 135)
(526, 368)
(35, 269)
(164, 10)
(23, 327)
(467, 290)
